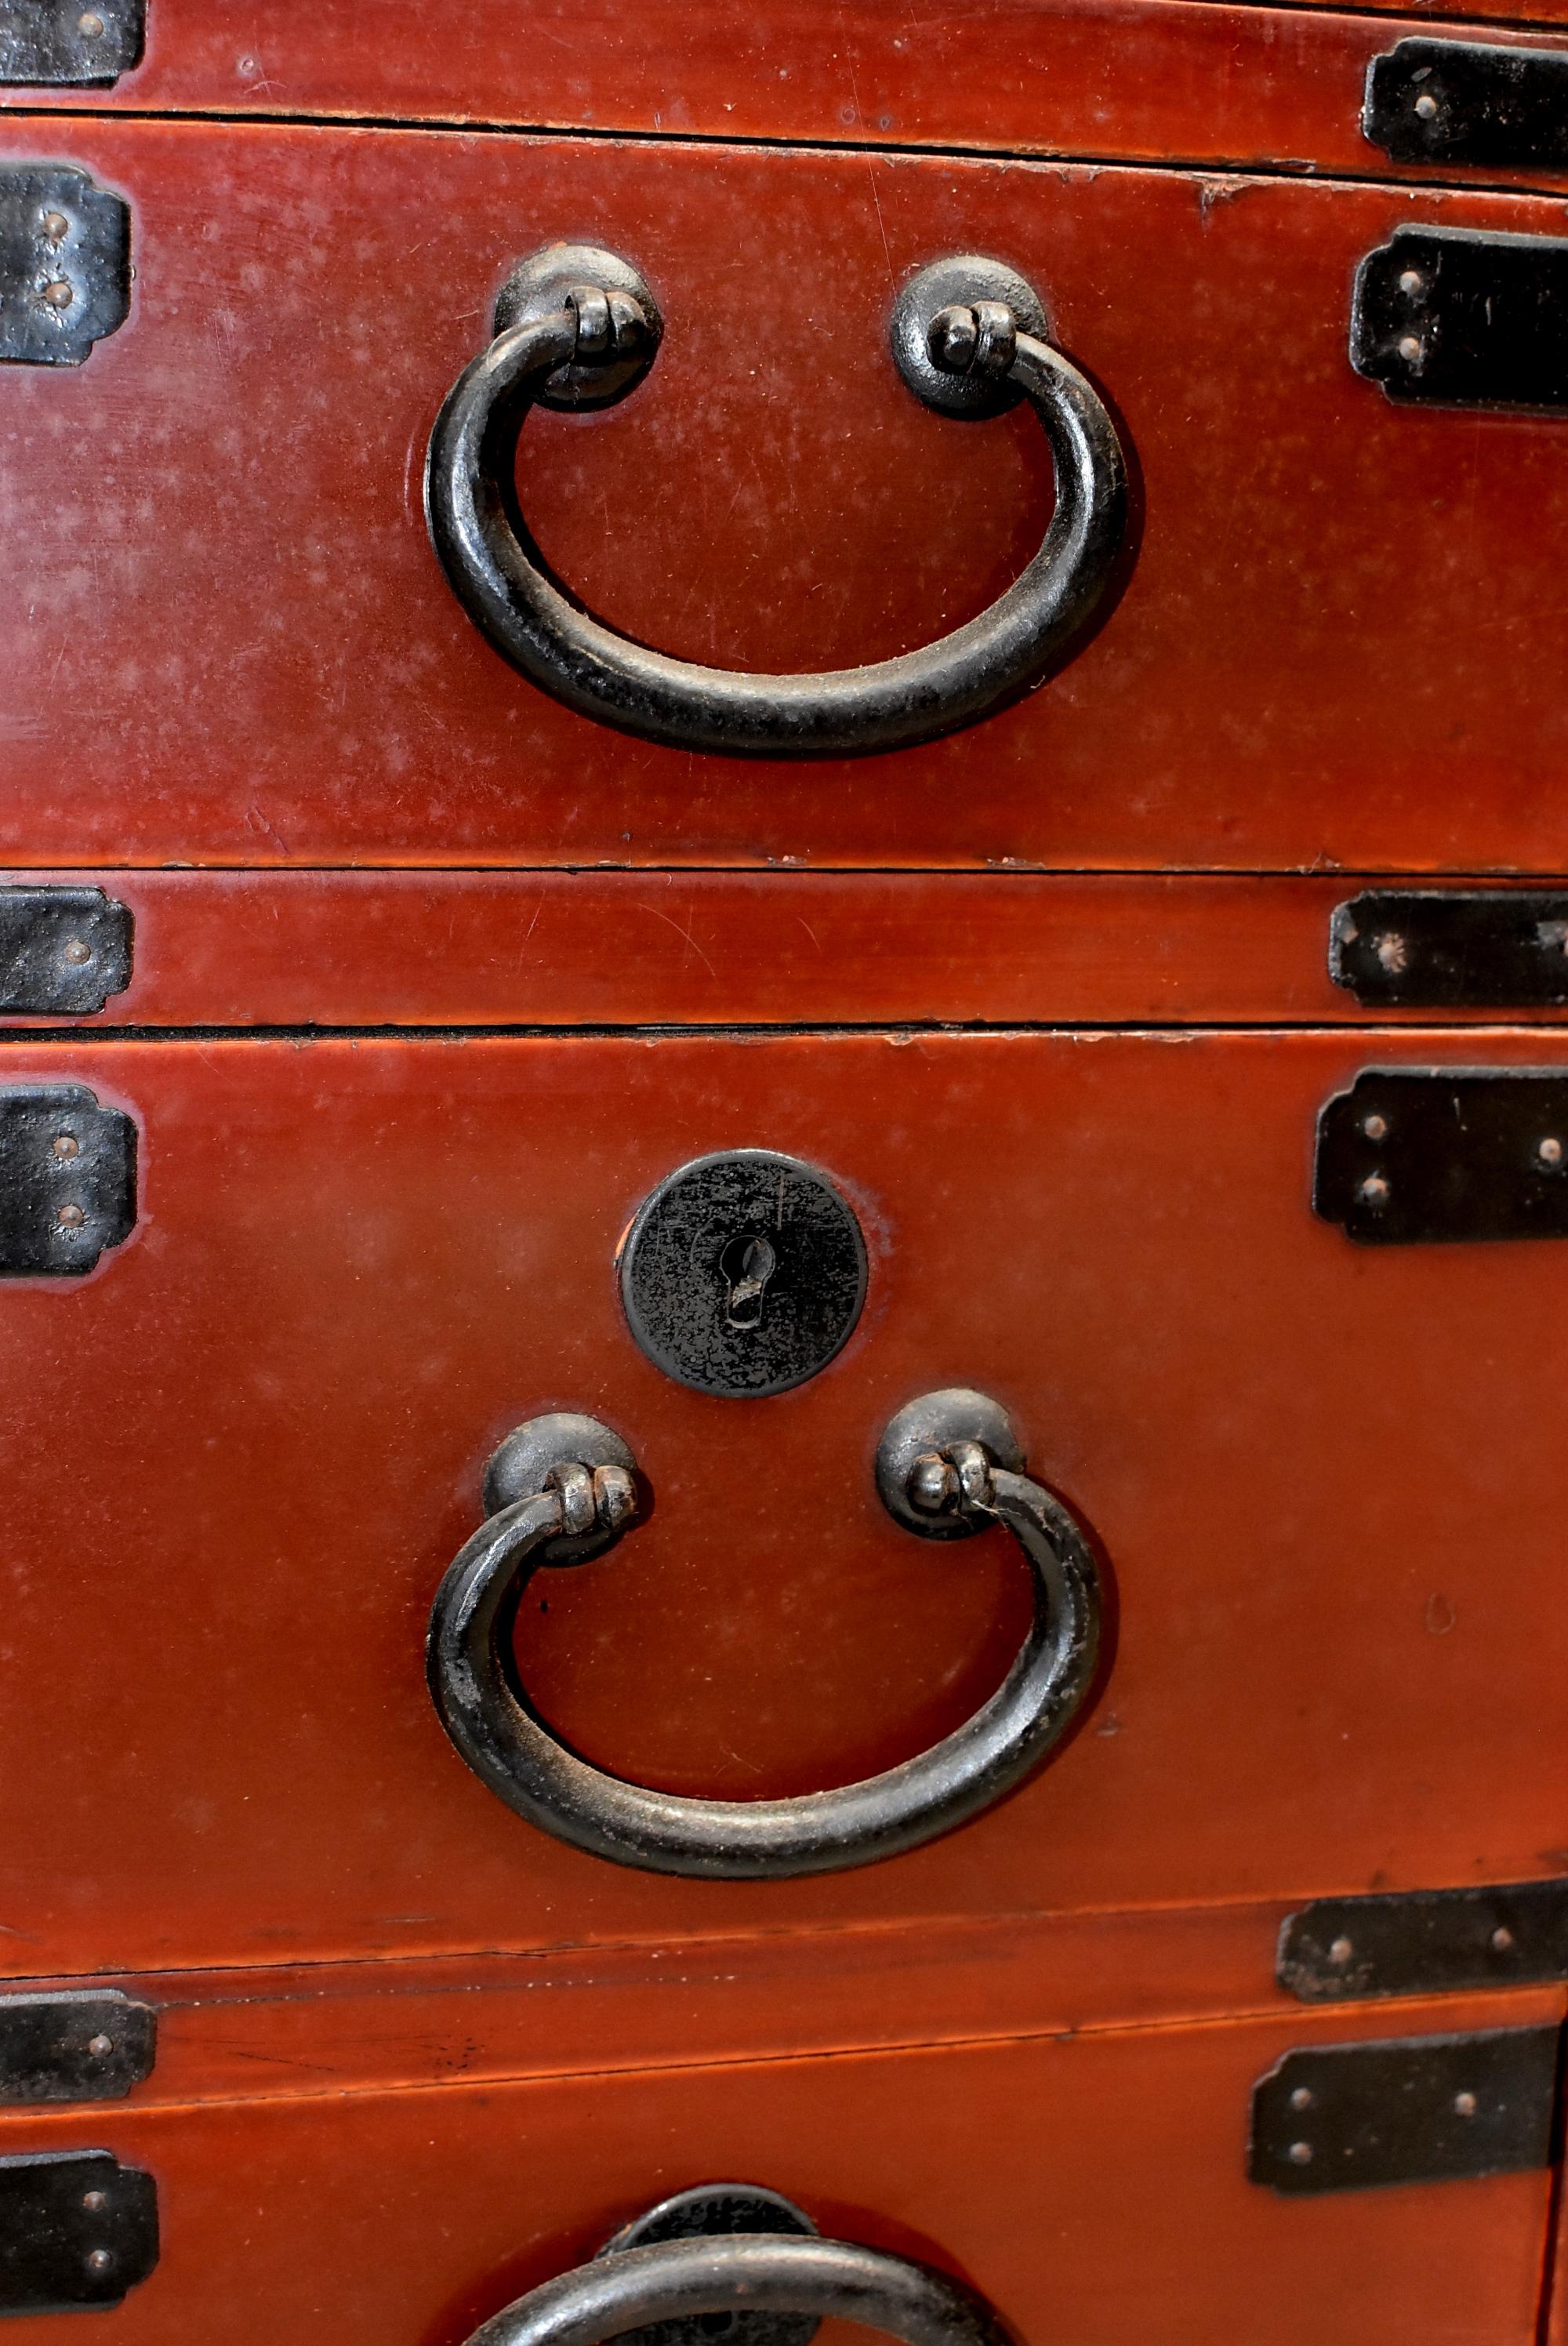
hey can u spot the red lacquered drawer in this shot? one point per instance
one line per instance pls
(1333, 634)
(488, 949)
(1094, 2187)
(242, 1453)
(1223, 84)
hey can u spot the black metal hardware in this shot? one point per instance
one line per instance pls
(61, 43)
(1413, 2109)
(562, 1487)
(1453, 948)
(537, 289)
(1426, 1941)
(927, 1429)
(65, 264)
(719, 2211)
(744, 1273)
(1409, 1158)
(63, 951)
(753, 2276)
(1459, 318)
(88, 2045)
(77, 2231)
(1467, 102)
(67, 1180)
(962, 281)
(950, 330)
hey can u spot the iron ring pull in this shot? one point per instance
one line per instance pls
(562, 1489)
(974, 356)
(747, 2272)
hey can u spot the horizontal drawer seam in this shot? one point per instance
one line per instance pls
(1283, 169)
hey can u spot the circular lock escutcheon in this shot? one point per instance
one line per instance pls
(744, 1273)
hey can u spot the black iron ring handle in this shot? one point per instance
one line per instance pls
(561, 1489)
(968, 354)
(747, 2272)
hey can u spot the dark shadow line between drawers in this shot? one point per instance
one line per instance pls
(998, 868)
(1285, 168)
(617, 1030)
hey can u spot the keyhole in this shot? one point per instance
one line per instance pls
(747, 1264)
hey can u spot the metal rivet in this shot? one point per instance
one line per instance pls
(1341, 1950)
(89, 27)
(1300, 2154)
(100, 2046)
(1376, 1128)
(1427, 107)
(94, 2201)
(1410, 349)
(1393, 953)
(1411, 281)
(1501, 1939)
(78, 950)
(66, 1144)
(1465, 2104)
(1373, 1192)
(1550, 1150)
(59, 293)
(71, 1218)
(1302, 2098)
(54, 225)
(98, 2260)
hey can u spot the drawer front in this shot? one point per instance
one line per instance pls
(777, 948)
(1135, 79)
(1334, 633)
(1094, 2187)
(242, 1455)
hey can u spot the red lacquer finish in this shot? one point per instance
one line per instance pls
(1091, 2188)
(565, 949)
(1341, 641)
(1192, 81)
(240, 1456)
(285, 2030)
(434, 981)
(1554, 2302)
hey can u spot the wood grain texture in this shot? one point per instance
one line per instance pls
(240, 1456)
(1093, 2187)
(1130, 78)
(1339, 644)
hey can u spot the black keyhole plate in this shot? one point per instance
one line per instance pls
(743, 1274)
